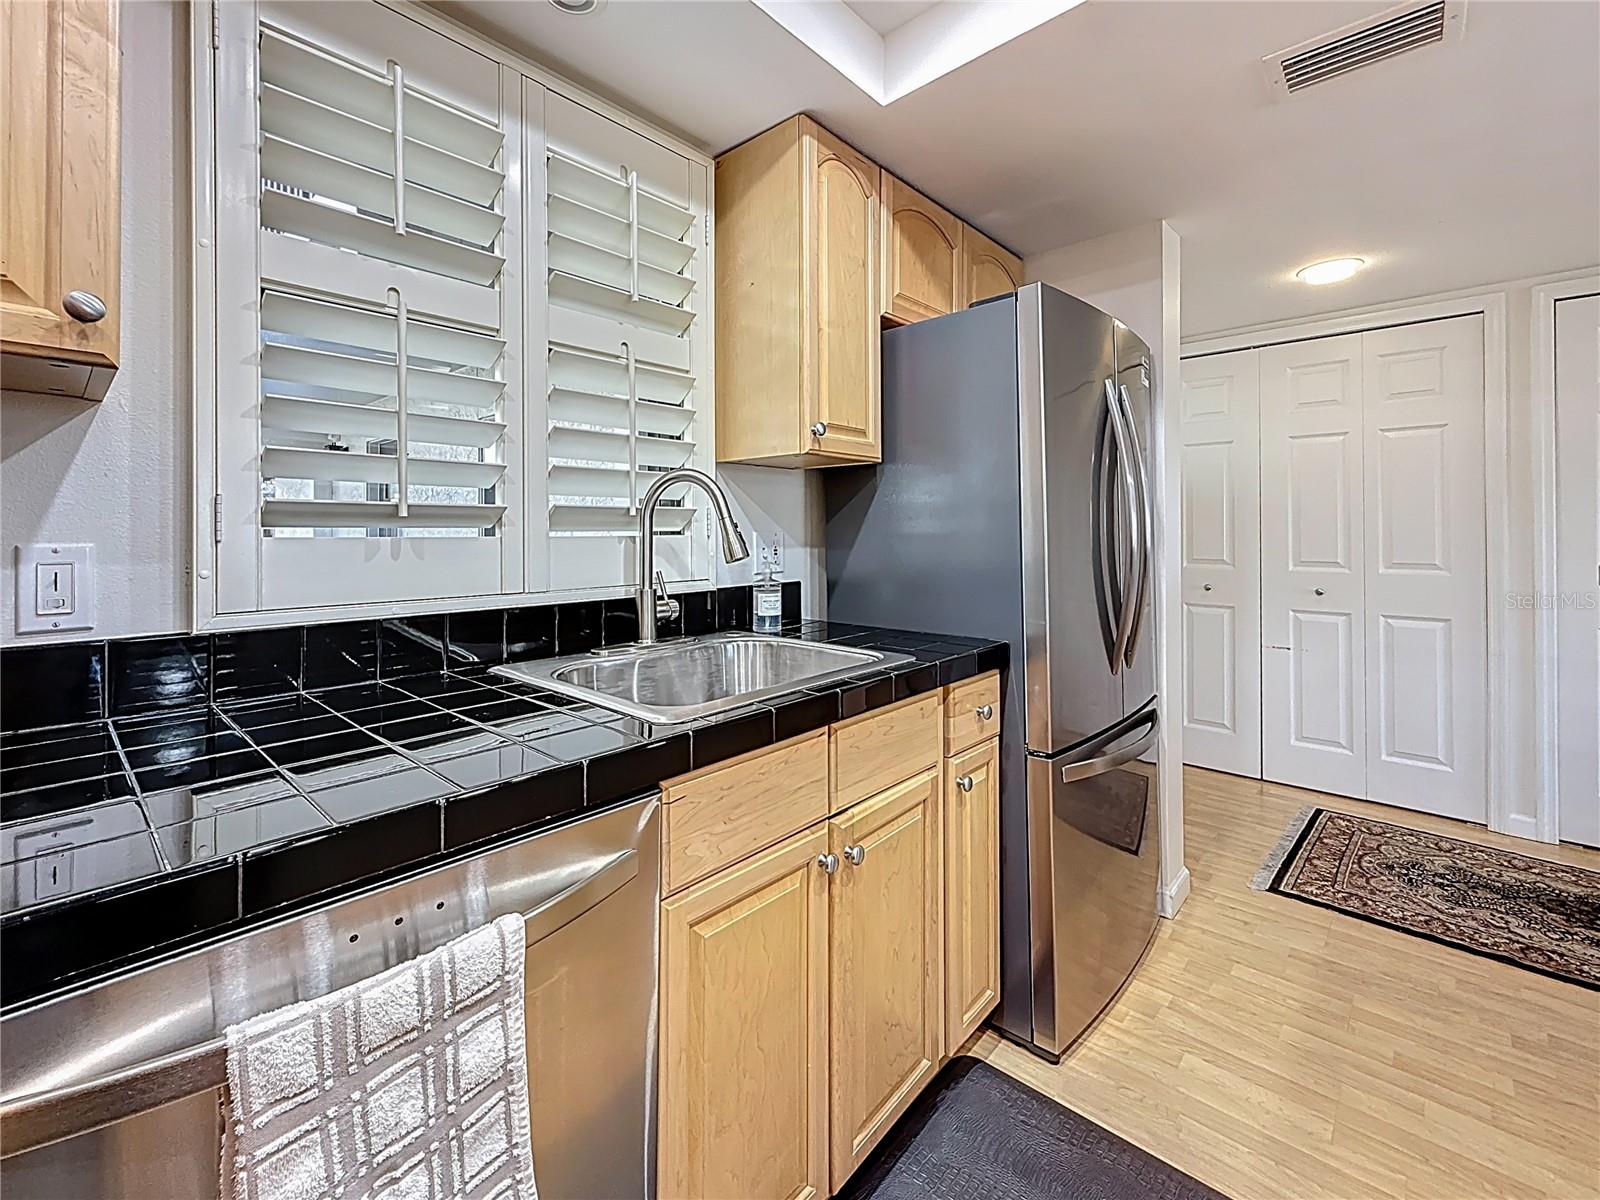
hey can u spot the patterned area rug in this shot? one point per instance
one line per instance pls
(979, 1134)
(1539, 915)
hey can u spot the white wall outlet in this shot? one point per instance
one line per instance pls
(769, 552)
(55, 587)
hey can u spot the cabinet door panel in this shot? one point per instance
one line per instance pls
(59, 186)
(842, 323)
(988, 268)
(971, 889)
(744, 1029)
(921, 255)
(887, 978)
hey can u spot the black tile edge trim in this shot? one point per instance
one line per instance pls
(397, 840)
(49, 947)
(634, 769)
(994, 657)
(731, 736)
(512, 808)
(913, 679)
(802, 713)
(958, 667)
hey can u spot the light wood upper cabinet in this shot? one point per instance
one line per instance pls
(887, 949)
(797, 303)
(744, 1029)
(59, 194)
(971, 889)
(988, 268)
(922, 261)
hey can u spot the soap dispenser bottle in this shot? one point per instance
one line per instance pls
(767, 602)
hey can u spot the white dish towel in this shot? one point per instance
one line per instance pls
(411, 1085)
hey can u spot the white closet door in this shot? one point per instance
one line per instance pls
(1425, 572)
(1313, 662)
(1578, 564)
(1222, 563)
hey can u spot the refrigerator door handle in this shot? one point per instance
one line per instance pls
(1102, 552)
(1101, 763)
(1135, 527)
(1141, 576)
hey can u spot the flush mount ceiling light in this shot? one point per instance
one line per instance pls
(579, 8)
(1329, 270)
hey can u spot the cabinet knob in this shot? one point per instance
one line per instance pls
(985, 711)
(1205, 587)
(855, 855)
(828, 862)
(1319, 591)
(964, 782)
(820, 429)
(84, 306)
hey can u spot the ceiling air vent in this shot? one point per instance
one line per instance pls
(1364, 44)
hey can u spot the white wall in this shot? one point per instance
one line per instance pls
(117, 473)
(1133, 275)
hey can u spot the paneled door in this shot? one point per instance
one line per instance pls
(1425, 611)
(842, 326)
(1578, 565)
(1222, 563)
(887, 953)
(1313, 660)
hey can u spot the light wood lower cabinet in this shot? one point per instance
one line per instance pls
(744, 1029)
(971, 889)
(885, 912)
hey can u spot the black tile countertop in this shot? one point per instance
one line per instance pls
(193, 810)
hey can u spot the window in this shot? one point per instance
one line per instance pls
(457, 323)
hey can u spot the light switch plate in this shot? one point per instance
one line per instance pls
(55, 587)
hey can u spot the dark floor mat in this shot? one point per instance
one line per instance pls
(979, 1134)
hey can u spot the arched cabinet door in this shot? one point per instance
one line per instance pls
(988, 267)
(842, 301)
(921, 255)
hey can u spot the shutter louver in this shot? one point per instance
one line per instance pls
(381, 391)
(624, 280)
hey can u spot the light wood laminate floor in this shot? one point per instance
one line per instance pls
(1280, 1051)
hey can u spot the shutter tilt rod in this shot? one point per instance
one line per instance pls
(633, 231)
(397, 82)
(633, 429)
(401, 438)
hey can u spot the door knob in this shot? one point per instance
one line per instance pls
(828, 862)
(1319, 591)
(985, 711)
(964, 782)
(83, 306)
(855, 855)
(820, 429)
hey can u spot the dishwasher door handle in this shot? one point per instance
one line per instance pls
(567, 905)
(44, 1117)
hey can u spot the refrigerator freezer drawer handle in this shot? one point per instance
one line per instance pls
(1106, 762)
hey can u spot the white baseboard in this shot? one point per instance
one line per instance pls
(1175, 893)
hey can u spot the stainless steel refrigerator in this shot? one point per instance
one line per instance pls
(1014, 502)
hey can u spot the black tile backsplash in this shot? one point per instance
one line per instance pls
(619, 622)
(158, 674)
(531, 633)
(579, 627)
(343, 653)
(256, 662)
(478, 637)
(305, 773)
(52, 685)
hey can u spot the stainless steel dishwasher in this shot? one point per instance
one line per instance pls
(115, 1090)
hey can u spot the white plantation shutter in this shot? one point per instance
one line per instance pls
(376, 443)
(628, 352)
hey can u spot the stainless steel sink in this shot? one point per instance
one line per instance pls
(668, 682)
